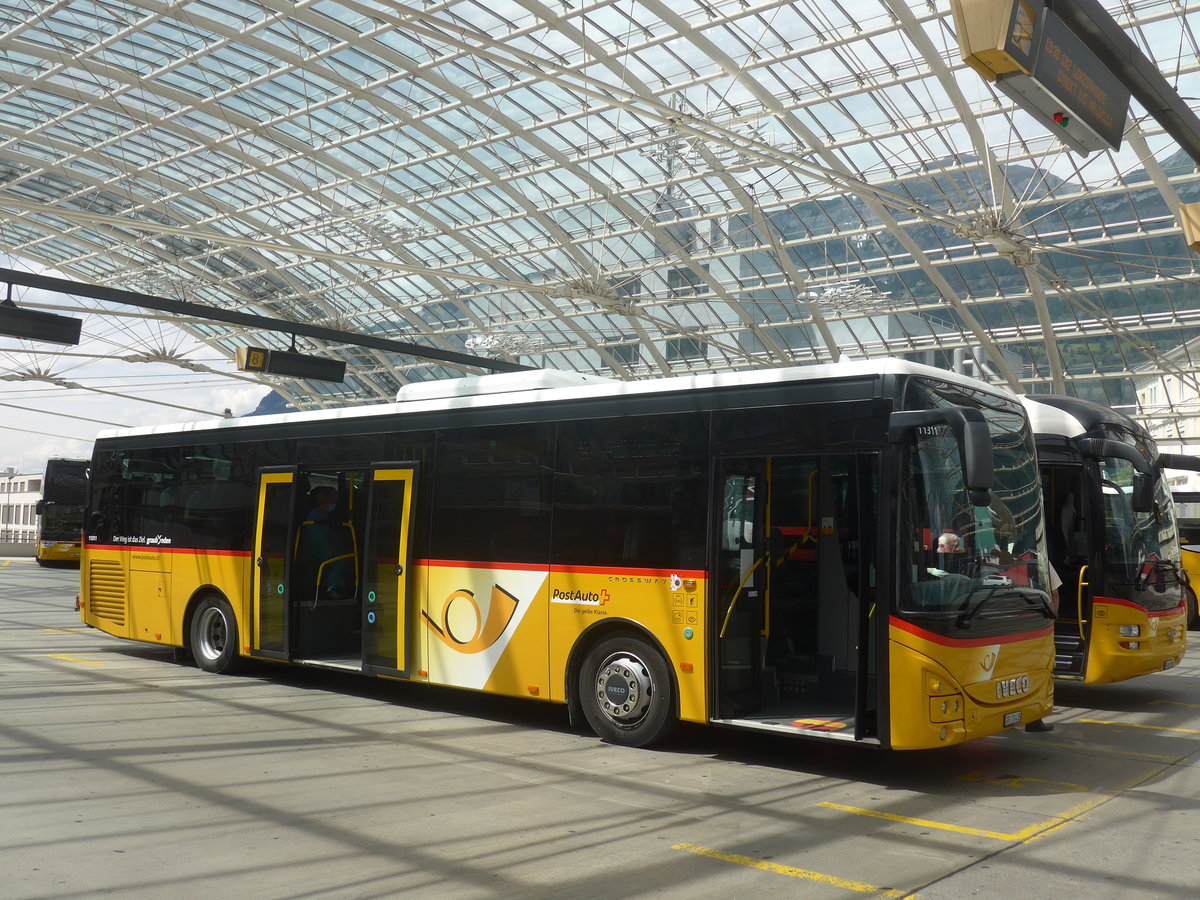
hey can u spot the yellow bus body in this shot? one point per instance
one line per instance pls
(511, 629)
(130, 594)
(971, 688)
(145, 595)
(1160, 643)
(59, 551)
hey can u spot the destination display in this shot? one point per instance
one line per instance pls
(1031, 55)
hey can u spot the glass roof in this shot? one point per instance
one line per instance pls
(628, 188)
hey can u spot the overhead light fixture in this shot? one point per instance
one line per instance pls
(33, 325)
(491, 343)
(851, 296)
(290, 364)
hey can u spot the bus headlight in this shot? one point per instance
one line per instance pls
(947, 708)
(1131, 631)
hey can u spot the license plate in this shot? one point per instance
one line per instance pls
(1169, 664)
(1012, 718)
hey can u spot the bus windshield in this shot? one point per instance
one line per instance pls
(972, 570)
(1139, 547)
(64, 493)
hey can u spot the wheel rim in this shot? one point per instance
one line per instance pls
(211, 633)
(624, 688)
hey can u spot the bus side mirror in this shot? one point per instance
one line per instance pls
(1142, 499)
(978, 466)
(1142, 496)
(974, 443)
(40, 507)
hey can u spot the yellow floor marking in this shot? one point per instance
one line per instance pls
(1053, 787)
(1079, 809)
(1025, 835)
(1110, 751)
(1174, 703)
(924, 823)
(792, 871)
(86, 662)
(1135, 725)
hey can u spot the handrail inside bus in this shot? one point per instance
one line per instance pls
(321, 571)
(808, 533)
(736, 594)
(1079, 600)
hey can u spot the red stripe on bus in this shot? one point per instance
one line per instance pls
(1153, 614)
(917, 631)
(610, 570)
(560, 570)
(471, 564)
(129, 548)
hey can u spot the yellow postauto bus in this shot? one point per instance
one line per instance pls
(1113, 541)
(60, 512)
(757, 550)
(1189, 547)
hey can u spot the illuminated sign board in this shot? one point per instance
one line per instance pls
(1070, 72)
(1043, 67)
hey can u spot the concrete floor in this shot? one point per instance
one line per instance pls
(125, 773)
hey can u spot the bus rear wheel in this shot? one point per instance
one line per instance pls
(214, 636)
(626, 692)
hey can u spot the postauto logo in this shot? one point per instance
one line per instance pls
(580, 598)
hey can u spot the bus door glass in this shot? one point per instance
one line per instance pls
(796, 584)
(273, 538)
(741, 576)
(386, 569)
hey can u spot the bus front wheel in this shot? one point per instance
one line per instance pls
(214, 636)
(626, 693)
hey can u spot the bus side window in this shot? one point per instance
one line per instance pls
(491, 494)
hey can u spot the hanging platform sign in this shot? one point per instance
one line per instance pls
(1044, 68)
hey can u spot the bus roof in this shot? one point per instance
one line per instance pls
(1053, 414)
(514, 388)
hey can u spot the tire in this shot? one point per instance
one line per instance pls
(626, 691)
(1193, 614)
(214, 636)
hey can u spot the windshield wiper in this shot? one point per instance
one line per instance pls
(964, 621)
(1043, 599)
(1033, 598)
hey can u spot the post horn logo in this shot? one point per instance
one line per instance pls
(462, 627)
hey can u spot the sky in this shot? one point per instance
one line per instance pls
(54, 399)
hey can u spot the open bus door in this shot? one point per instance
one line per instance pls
(794, 592)
(273, 538)
(333, 591)
(386, 566)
